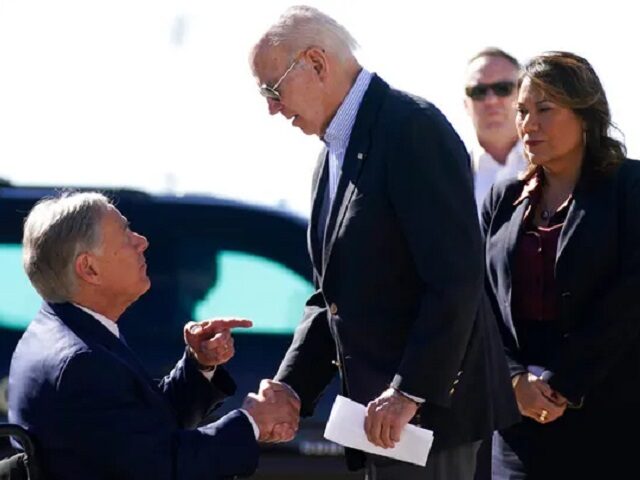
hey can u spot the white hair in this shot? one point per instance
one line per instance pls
(56, 231)
(301, 27)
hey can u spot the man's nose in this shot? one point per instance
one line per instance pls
(274, 106)
(491, 97)
(143, 243)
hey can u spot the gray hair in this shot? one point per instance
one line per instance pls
(301, 27)
(56, 231)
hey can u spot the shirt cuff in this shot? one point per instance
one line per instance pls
(410, 397)
(254, 425)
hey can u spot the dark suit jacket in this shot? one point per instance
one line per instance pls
(98, 415)
(597, 273)
(400, 276)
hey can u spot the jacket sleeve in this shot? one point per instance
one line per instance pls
(191, 395)
(589, 352)
(108, 418)
(430, 188)
(307, 366)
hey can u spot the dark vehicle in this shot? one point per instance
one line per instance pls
(207, 257)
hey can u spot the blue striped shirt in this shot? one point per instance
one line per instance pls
(336, 138)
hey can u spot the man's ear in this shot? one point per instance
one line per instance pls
(318, 59)
(87, 269)
(466, 103)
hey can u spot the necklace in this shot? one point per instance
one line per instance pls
(545, 214)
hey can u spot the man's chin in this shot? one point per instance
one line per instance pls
(145, 287)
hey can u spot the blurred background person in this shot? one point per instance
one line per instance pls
(563, 261)
(490, 95)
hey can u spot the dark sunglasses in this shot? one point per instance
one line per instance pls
(272, 92)
(480, 91)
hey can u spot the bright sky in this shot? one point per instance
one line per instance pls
(158, 95)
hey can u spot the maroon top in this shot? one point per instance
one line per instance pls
(534, 295)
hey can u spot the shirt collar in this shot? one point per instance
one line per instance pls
(110, 324)
(515, 156)
(339, 130)
(533, 190)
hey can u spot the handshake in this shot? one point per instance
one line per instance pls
(275, 408)
(276, 411)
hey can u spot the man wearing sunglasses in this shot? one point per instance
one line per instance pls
(397, 257)
(490, 95)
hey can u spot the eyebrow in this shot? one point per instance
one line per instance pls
(537, 103)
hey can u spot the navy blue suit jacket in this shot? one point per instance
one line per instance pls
(400, 277)
(96, 413)
(597, 273)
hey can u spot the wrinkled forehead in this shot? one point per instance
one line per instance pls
(490, 69)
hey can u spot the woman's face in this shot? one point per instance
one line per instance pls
(551, 134)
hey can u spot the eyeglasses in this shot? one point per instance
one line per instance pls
(479, 92)
(272, 92)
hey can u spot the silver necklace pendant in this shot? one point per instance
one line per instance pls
(545, 214)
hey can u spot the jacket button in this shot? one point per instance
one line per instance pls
(333, 308)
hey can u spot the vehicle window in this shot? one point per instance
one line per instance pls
(19, 302)
(258, 288)
(247, 285)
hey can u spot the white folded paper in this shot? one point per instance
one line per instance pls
(346, 427)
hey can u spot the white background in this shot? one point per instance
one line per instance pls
(158, 95)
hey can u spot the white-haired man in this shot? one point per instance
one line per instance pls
(77, 387)
(396, 250)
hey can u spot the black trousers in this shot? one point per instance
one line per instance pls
(568, 448)
(458, 463)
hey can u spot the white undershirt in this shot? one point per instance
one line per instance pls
(487, 171)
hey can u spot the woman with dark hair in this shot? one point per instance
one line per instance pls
(563, 273)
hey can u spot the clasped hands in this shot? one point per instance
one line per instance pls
(537, 400)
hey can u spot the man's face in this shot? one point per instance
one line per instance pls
(493, 116)
(119, 261)
(302, 91)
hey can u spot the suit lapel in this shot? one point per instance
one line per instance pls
(571, 223)
(590, 196)
(91, 331)
(320, 184)
(510, 242)
(355, 156)
(344, 193)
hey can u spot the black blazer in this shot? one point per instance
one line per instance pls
(598, 278)
(97, 414)
(400, 276)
